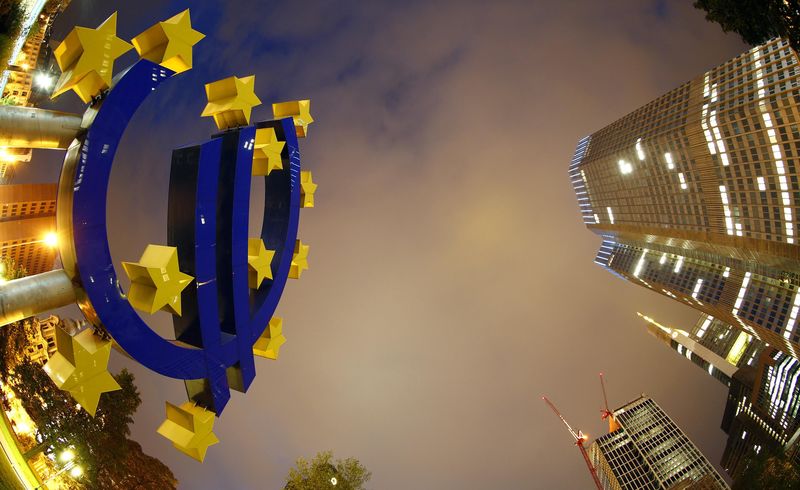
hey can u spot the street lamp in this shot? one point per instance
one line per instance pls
(44, 80)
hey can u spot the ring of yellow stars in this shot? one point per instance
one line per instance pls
(299, 260)
(269, 343)
(156, 281)
(190, 429)
(86, 58)
(169, 43)
(230, 101)
(307, 189)
(80, 367)
(267, 152)
(259, 261)
(299, 111)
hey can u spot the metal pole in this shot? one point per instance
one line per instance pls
(32, 295)
(28, 127)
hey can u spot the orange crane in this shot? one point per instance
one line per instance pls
(580, 438)
(606, 413)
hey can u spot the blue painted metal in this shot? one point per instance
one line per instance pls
(208, 222)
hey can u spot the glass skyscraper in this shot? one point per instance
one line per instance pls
(762, 413)
(696, 194)
(648, 451)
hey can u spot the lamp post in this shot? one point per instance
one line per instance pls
(75, 470)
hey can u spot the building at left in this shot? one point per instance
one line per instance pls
(28, 226)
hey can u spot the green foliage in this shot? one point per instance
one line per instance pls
(11, 14)
(101, 443)
(10, 270)
(317, 474)
(769, 472)
(756, 21)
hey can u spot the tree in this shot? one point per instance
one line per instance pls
(101, 442)
(756, 21)
(11, 14)
(769, 472)
(318, 474)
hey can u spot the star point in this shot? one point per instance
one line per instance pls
(299, 111)
(190, 428)
(156, 281)
(80, 367)
(231, 101)
(169, 43)
(307, 189)
(259, 261)
(269, 343)
(267, 152)
(86, 58)
(299, 260)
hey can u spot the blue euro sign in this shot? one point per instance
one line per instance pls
(208, 217)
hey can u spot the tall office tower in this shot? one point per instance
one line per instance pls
(762, 412)
(27, 217)
(696, 194)
(716, 347)
(649, 451)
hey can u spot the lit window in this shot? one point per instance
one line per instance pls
(610, 215)
(670, 162)
(625, 167)
(639, 149)
(762, 185)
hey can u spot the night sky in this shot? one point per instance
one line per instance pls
(451, 280)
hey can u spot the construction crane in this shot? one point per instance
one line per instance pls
(606, 413)
(580, 438)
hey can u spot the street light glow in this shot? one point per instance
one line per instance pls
(76, 471)
(51, 239)
(334, 481)
(66, 456)
(43, 80)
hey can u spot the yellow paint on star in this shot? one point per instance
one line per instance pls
(230, 101)
(299, 260)
(169, 43)
(299, 111)
(269, 343)
(307, 189)
(156, 281)
(190, 429)
(267, 152)
(86, 58)
(259, 261)
(80, 367)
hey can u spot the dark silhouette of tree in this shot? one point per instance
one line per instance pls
(101, 442)
(756, 21)
(317, 474)
(769, 472)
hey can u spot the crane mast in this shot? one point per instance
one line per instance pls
(606, 413)
(580, 438)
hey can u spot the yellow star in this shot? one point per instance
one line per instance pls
(299, 111)
(190, 428)
(80, 366)
(169, 43)
(307, 190)
(269, 343)
(230, 101)
(86, 58)
(258, 262)
(267, 152)
(299, 260)
(156, 281)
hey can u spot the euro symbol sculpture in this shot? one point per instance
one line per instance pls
(221, 285)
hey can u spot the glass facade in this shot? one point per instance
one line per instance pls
(649, 451)
(696, 194)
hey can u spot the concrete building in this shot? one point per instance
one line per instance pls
(649, 451)
(27, 220)
(696, 194)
